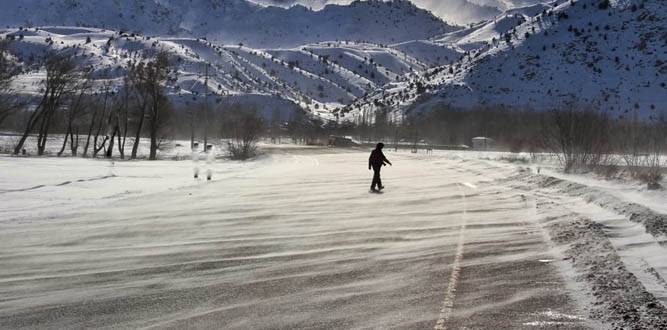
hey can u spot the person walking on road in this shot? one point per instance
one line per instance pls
(375, 162)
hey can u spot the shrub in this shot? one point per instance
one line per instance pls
(579, 136)
(243, 126)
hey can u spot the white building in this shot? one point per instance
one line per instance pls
(482, 143)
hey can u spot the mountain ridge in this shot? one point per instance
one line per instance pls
(604, 54)
(236, 21)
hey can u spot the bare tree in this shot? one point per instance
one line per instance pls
(655, 149)
(134, 75)
(631, 141)
(122, 115)
(149, 80)
(73, 113)
(98, 112)
(642, 144)
(61, 79)
(9, 101)
(243, 126)
(579, 136)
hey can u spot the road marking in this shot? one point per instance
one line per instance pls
(450, 293)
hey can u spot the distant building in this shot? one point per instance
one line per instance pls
(482, 143)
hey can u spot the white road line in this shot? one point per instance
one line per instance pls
(450, 293)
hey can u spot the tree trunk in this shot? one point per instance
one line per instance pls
(121, 146)
(90, 133)
(32, 121)
(153, 131)
(44, 132)
(102, 146)
(137, 136)
(109, 153)
(67, 134)
(153, 155)
(97, 149)
(74, 143)
(122, 135)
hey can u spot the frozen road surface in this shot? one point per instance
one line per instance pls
(291, 241)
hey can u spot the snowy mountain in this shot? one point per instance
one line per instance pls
(318, 76)
(460, 12)
(607, 54)
(235, 21)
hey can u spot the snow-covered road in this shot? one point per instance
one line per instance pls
(293, 240)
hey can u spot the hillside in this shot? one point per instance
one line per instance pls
(609, 55)
(235, 21)
(539, 56)
(317, 76)
(461, 12)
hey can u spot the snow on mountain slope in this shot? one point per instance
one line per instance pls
(312, 4)
(236, 21)
(461, 12)
(319, 76)
(433, 53)
(530, 10)
(591, 52)
(505, 5)
(480, 34)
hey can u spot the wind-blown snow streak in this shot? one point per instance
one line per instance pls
(280, 242)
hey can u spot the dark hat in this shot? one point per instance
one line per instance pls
(379, 145)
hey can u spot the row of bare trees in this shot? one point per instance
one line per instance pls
(98, 116)
(101, 115)
(149, 79)
(586, 138)
(61, 81)
(98, 108)
(642, 145)
(582, 137)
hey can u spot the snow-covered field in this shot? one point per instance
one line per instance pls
(293, 239)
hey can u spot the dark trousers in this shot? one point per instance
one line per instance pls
(376, 177)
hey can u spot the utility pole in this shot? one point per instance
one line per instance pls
(193, 114)
(206, 109)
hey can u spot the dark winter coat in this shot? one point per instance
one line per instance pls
(377, 158)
